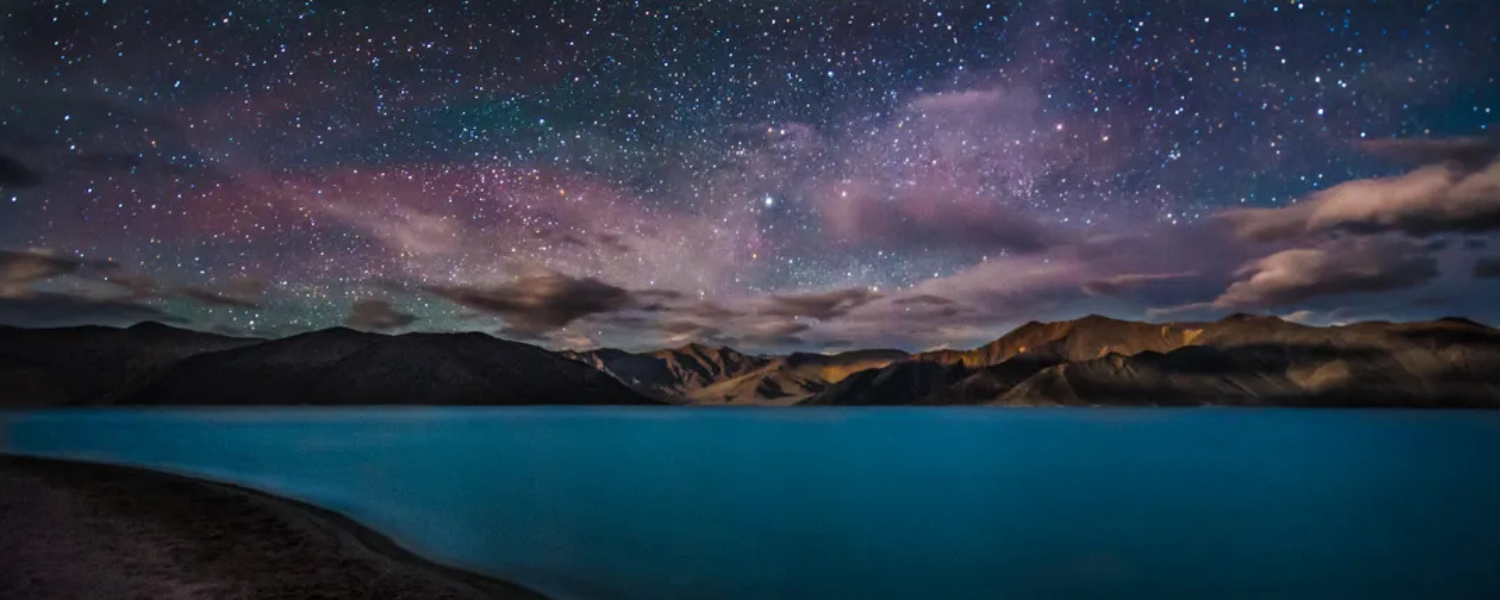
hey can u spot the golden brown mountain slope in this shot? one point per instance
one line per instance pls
(697, 374)
(1081, 339)
(793, 378)
(675, 374)
(1239, 360)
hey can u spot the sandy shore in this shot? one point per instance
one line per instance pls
(75, 530)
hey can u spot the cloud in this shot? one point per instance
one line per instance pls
(684, 331)
(1344, 266)
(404, 229)
(377, 315)
(203, 296)
(540, 302)
(1487, 267)
(773, 332)
(929, 216)
(140, 286)
(248, 287)
(965, 101)
(14, 173)
(23, 304)
(137, 285)
(656, 300)
(687, 327)
(969, 307)
(924, 299)
(21, 268)
(1302, 317)
(1470, 152)
(1118, 284)
(954, 171)
(818, 306)
(1433, 199)
(613, 241)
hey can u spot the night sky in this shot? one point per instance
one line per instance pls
(809, 175)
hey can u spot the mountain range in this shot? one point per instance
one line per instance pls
(153, 364)
(1240, 360)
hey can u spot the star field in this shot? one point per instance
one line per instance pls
(769, 175)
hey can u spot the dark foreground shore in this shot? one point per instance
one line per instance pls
(76, 530)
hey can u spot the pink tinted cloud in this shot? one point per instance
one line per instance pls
(1432, 199)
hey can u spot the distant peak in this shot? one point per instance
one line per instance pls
(337, 332)
(151, 326)
(1092, 317)
(703, 349)
(1461, 321)
(1247, 317)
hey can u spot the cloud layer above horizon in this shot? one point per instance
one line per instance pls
(820, 177)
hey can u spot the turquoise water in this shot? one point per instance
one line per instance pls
(677, 504)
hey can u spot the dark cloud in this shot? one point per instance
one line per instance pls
(541, 302)
(707, 310)
(609, 241)
(681, 327)
(924, 299)
(921, 311)
(773, 332)
(14, 173)
(248, 287)
(210, 298)
(1432, 199)
(240, 292)
(613, 242)
(566, 239)
(1208, 248)
(1468, 152)
(137, 285)
(677, 332)
(377, 315)
(1475, 243)
(1344, 266)
(51, 309)
(819, 306)
(932, 223)
(1487, 267)
(656, 300)
(21, 268)
(1119, 284)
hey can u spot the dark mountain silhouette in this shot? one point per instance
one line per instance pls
(153, 364)
(346, 367)
(94, 365)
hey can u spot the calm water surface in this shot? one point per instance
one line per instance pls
(678, 504)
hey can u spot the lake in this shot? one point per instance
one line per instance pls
(760, 504)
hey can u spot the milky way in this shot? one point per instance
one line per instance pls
(772, 176)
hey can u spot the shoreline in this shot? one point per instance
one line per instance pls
(75, 529)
